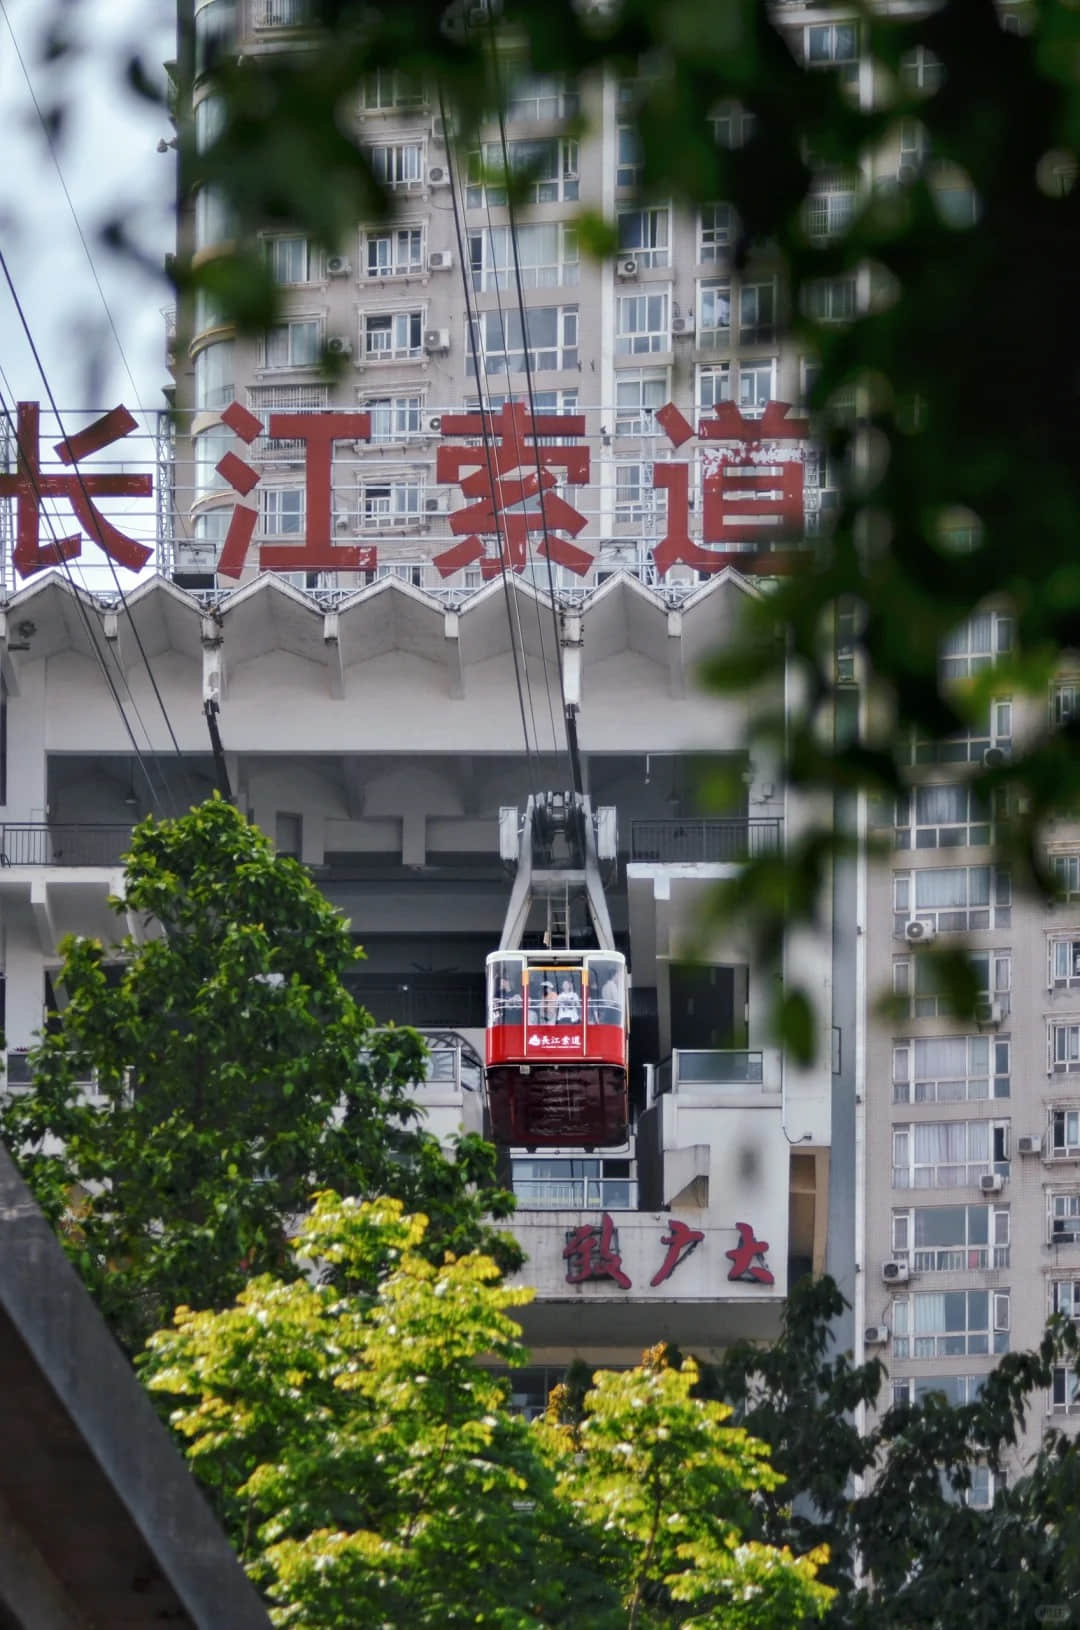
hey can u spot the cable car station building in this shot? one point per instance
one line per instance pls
(379, 743)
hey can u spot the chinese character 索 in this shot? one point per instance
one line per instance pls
(510, 477)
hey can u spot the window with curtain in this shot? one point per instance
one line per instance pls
(946, 1069)
(946, 1324)
(946, 816)
(948, 1154)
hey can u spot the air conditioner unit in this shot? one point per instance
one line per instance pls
(995, 757)
(440, 128)
(338, 346)
(338, 266)
(895, 1273)
(441, 260)
(917, 932)
(682, 325)
(436, 339)
(991, 1182)
(907, 172)
(988, 1012)
(875, 1335)
(1029, 1146)
(433, 424)
(438, 176)
(627, 266)
(435, 506)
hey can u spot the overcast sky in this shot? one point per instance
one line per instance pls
(108, 159)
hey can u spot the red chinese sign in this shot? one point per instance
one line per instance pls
(508, 467)
(592, 1252)
(748, 1258)
(28, 486)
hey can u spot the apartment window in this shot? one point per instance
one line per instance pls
(633, 492)
(921, 70)
(215, 32)
(385, 89)
(646, 234)
(951, 1323)
(642, 324)
(393, 335)
(550, 338)
(574, 1184)
(757, 313)
(948, 1154)
(830, 207)
(1065, 1297)
(757, 387)
(398, 164)
(1065, 1133)
(714, 315)
(950, 1069)
(976, 645)
(1064, 1048)
(1066, 873)
(713, 387)
(392, 503)
(1065, 1391)
(547, 167)
(214, 377)
(955, 198)
(293, 345)
(637, 396)
(394, 418)
(955, 1389)
(1065, 701)
(283, 511)
(952, 1239)
(1064, 963)
(1064, 1218)
(941, 817)
(732, 125)
(953, 899)
(396, 254)
(215, 221)
(210, 448)
(543, 401)
(289, 259)
(547, 256)
(831, 299)
(831, 44)
(628, 163)
(282, 13)
(716, 233)
(915, 980)
(970, 746)
(533, 97)
(407, 570)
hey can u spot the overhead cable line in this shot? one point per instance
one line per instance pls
(485, 426)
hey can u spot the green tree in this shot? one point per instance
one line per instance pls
(366, 1464)
(234, 1074)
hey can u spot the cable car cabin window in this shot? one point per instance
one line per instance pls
(505, 992)
(555, 996)
(605, 992)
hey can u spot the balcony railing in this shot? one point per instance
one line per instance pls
(45, 844)
(724, 1069)
(704, 840)
(576, 1193)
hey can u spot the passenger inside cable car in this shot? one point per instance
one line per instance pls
(557, 1048)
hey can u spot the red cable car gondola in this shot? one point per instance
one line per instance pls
(557, 1048)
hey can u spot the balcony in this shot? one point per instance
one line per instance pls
(728, 1069)
(576, 1194)
(711, 841)
(44, 844)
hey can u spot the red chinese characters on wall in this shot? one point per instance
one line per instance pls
(28, 486)
(592, 1252)
(317, 551)
(752, 488)
(511, 481)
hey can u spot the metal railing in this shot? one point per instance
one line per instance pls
(43, 843)
(704, 840)
(576, 1193)
(730, 1069)
(959, 1258)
